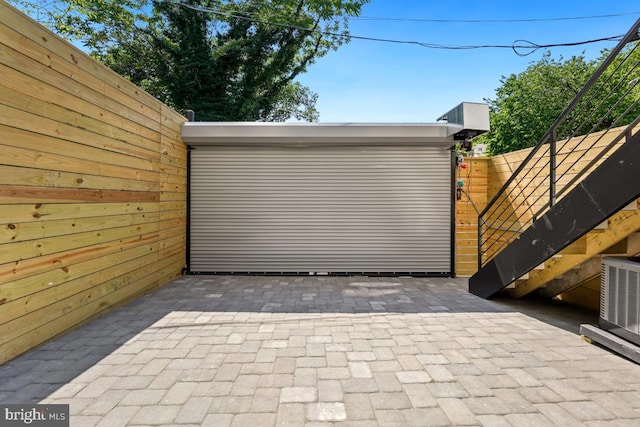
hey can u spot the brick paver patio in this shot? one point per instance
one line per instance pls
(314, 351)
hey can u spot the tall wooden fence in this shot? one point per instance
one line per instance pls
(473, 199)
(484, 176)
(92, 187)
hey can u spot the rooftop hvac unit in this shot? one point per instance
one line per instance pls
(620, 297)
(467, 120)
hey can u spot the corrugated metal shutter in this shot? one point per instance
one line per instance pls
(384, 209)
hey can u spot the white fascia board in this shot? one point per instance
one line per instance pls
(256, 133)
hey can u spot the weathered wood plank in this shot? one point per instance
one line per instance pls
(55, 320)
(20, 269)
(174, 237)
(172, 187)
(173, 146)
(173, 161)
(51, 178)
(630, 246)
(572, 278)
(173, 170)
(28, 195)
(21, 325)
(613, 342)
(467, 243)
(78, 268)
(37, 292)
(172, 227)
(25, 93)
(92, 187)
(172, 124)
(172, 179)
(28, 157)
(584, 295)
(69, 60)
(95, 89)
(172, 205)
(170, 214)
(467, 234)
(171, 119)
(174, 250)
(171, 196)
(20, 232)
(475, 178)
(125, 108)
(621, 225)
(577, 247)
(20, 138)
(38, 124)
(17, 213)
(18, 251)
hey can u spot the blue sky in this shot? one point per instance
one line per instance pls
(368, 81)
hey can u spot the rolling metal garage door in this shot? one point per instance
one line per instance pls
(337, 209)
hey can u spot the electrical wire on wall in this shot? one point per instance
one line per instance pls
(462, 181)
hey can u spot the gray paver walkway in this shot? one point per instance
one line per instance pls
(323, 351)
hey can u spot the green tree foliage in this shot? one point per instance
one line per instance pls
(528, 103)
(617, 92)
(229, 60)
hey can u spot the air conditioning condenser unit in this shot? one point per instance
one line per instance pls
(620, 297)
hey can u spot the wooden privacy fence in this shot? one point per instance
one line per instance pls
(484, 176)
(527, 199)
(92, 187)
(473, 199)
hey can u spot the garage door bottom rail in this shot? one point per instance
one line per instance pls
(332, 273)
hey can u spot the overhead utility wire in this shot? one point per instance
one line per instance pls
(517, 46)
(481, 21)
(493, 21)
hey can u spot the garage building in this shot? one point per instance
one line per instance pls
(310, 198)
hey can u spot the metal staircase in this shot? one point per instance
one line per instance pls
(583, 171)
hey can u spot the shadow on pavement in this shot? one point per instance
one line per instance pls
(87, 353)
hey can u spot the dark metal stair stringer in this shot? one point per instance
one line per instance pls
(609, 188)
